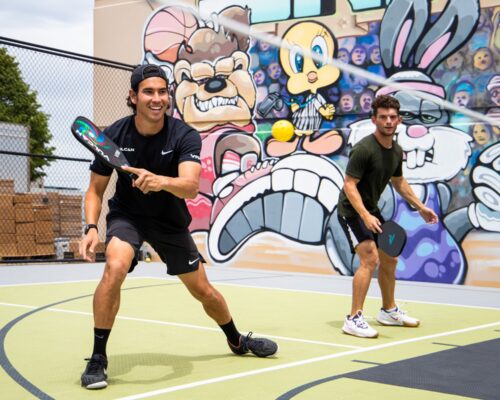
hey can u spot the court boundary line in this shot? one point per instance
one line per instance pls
(350, 295)
(182, 325)
(221, 282)
(299, 363)
(72, 281)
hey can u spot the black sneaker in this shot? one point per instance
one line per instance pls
(94, 376)
(259, 346)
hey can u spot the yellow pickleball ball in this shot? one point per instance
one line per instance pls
(283, 130)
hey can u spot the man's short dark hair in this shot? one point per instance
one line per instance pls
(141, 73)
(385, 101)
(146, 71)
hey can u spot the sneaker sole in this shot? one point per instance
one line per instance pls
(348, 332)
(405, 324)
(97, 385)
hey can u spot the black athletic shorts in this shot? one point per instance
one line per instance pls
(177, 250)
(356, 230)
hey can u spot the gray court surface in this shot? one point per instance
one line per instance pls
(469, 371)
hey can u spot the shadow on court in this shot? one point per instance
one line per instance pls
(154, 364)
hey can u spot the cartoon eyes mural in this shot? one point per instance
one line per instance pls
(296, 59)
(320, 49)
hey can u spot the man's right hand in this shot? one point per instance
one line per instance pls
(372, 223)
(88, 245)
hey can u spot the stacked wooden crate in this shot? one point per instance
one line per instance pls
(51, 199)
(70, 216)
(25, 225)
(7, 219)
(44, 230)
(32, 223)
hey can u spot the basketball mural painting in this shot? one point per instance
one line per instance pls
(232, 89)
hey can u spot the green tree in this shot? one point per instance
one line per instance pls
(19, 105)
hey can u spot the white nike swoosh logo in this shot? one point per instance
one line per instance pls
(166, 152)
(192, 262)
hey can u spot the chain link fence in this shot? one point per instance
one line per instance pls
(43, 219)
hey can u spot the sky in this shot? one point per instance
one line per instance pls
(63, 24)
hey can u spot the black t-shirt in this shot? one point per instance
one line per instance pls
(373, 165)
(160, 154)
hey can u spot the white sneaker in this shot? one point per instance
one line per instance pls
(396, 317)
(357, 326)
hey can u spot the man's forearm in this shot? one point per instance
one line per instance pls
(93, 205)
(181, 187)
(355, 199)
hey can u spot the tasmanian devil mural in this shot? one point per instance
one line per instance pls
(215, 94)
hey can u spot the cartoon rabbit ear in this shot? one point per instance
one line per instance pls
(451, 30)
(402, 25)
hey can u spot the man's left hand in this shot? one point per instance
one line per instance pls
(146, 181)
(428, 215)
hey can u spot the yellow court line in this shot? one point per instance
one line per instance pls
(300, 363)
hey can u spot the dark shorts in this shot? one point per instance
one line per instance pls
(177, 250)
(356, 230)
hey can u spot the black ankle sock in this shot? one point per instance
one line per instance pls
(100, 340)
(232, 333)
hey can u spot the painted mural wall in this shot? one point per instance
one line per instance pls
(232, 88)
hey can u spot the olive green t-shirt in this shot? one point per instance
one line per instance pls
(373, 165)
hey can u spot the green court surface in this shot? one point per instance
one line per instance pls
(164, 346)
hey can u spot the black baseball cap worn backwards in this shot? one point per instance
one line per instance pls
(144, 72)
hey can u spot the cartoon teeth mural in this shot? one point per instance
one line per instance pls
(231, 88)
(293, 200)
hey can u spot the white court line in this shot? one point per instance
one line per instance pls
(350, 295)
(181, 325)
(79, 281)
(217, 283)
(299, 363)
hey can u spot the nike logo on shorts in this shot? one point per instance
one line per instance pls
(166, 152)
(192, 262)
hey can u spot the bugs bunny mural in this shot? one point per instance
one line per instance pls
(412, 47)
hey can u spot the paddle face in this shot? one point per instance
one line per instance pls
(392, 240)
(93, 139)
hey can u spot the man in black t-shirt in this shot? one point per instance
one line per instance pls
(373, 162)
(164, 154)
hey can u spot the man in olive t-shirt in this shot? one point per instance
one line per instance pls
(373, 162)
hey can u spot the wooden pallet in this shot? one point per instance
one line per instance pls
(28, 257)
(70, 255)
